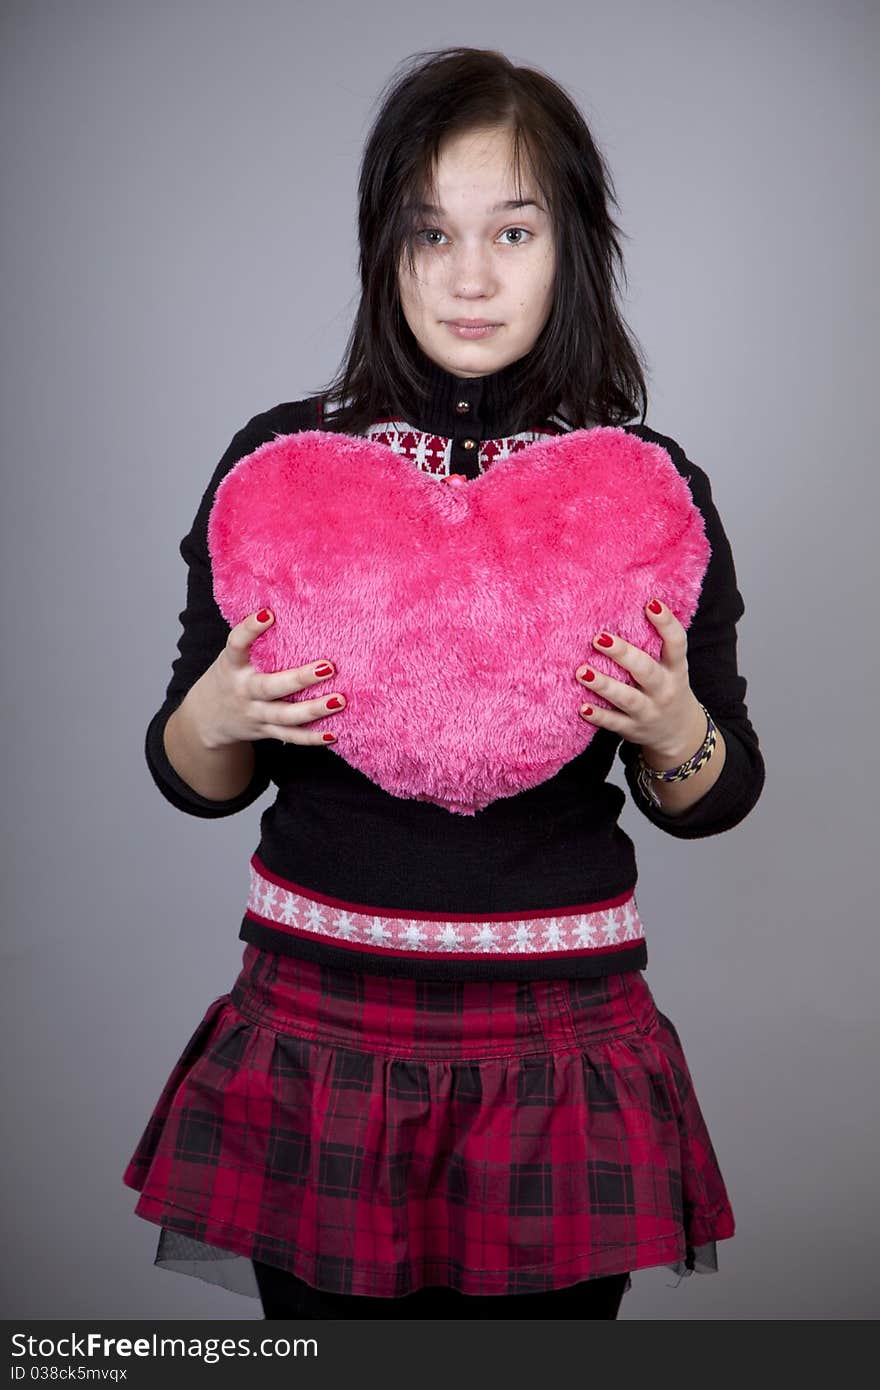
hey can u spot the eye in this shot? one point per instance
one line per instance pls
(426, 232)
(430, 231)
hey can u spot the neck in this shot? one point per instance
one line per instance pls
(478, 407)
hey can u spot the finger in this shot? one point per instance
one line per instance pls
(290, 716)
(674, 634)
(271, 685)
(242, 637)
(642, 667)
(299, 736)
(290, 713)
(604, 718)
(628, 698)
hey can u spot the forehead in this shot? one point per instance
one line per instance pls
(480, 142)
(480, 163)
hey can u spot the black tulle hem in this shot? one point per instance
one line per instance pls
(229, 1270)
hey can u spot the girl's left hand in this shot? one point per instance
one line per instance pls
(659, 711)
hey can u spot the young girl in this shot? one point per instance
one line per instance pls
(440, 1085)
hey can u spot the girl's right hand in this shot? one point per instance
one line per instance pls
(234, 702)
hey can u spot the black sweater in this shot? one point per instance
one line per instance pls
(335, 841)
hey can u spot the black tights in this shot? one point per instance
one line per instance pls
(283, 1295)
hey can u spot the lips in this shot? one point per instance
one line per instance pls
(471, 331)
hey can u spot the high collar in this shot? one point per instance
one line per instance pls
(479, 407)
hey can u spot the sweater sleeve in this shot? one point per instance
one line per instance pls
(203, 637)
(716, 682)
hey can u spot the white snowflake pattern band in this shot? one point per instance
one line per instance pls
(278, 903)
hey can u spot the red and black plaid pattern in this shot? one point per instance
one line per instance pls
(375, 1135)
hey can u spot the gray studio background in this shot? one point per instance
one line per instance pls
(179, 252)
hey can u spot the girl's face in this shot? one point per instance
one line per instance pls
(477, 260)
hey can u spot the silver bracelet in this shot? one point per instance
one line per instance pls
(646, 775)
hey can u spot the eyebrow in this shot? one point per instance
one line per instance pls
(499, 207)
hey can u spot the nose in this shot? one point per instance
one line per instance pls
(471, 271)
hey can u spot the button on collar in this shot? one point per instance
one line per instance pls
(462, 407)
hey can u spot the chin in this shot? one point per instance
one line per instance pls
(477, 357)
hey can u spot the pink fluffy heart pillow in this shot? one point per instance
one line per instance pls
(455, 616)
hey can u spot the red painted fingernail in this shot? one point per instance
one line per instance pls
(588, 709)
(655, 607)
(334, 703)
(263, 616)
(589, 675)
(604, 640)
(325, 670)
(329, 738)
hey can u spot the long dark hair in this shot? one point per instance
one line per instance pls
(585, 364)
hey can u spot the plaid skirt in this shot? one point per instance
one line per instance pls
(374, 1135)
